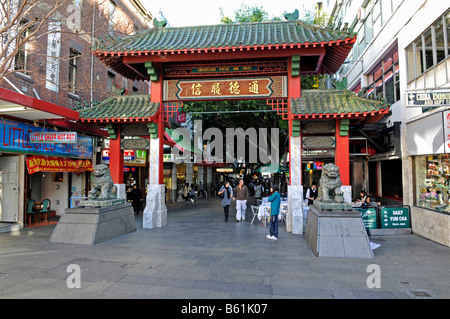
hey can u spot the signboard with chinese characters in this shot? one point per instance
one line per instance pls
(234, 88)
(57, 164)
(53, 137)
(130, 157)
(428, 98)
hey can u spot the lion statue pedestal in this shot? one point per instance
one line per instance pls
(100, 218)
(333, 228)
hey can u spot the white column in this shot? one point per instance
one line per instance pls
(208, 179)
(155, 213)
(200, 175)
(174, 185)
(189, 173)
(294, 220)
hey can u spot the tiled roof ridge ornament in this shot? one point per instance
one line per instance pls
(159, 24)
(292, 16)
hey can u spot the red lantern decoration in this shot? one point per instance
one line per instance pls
(369, 150)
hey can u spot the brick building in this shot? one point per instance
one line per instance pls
(48, 76)
(59, 68)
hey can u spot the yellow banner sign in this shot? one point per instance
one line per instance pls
(236, 88)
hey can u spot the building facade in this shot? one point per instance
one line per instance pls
(58, 66)
(402, 54)
(51, 75)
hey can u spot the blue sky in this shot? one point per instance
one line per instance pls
(181, 13)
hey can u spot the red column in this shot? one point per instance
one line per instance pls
(116, 158)
(161, 144)
(157, 97)
(294, 91)
(342, 155)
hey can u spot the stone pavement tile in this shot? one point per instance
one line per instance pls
(177, 283)
(156, 292)
(124, 290)
(252, 288)
(140, 279)
(343, 294)
(373, 294)
(198, 255)
(301, 292)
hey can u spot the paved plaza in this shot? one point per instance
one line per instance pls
(199, 256)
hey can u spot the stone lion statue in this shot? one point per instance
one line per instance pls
(330, 181)
(103, 187)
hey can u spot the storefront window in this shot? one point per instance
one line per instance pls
(433, 181)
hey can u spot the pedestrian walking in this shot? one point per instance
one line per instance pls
(241, 197)
(274, 200)
(186, 192)
(226, 191)
(200, 189)
(136, 198)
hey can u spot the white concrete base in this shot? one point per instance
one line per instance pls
(121, 191)
(347, 193)
(155, 212)
(294, 219)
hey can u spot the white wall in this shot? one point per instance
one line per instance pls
(56, 192)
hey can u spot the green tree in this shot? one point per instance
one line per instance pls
(316, 16)
(249, 14)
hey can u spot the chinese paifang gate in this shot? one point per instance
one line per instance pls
(264, 60)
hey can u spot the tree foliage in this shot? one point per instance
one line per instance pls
(249, 14)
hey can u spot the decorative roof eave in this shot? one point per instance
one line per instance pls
(119, 120)
(336, 104)
(271, 39)
(356, 115)
(121, 109)
(226, 49)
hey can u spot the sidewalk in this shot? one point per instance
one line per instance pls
(199, 256)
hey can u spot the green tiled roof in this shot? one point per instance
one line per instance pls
(224, 36)
(335, 103)
(121, 108)
(273, 36)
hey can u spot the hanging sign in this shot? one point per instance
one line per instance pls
(428, 98)
(53, 137)
(57, 164)
(395, 217)
(214, 89)
(16, 137)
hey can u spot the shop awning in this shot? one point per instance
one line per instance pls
(28, 108)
